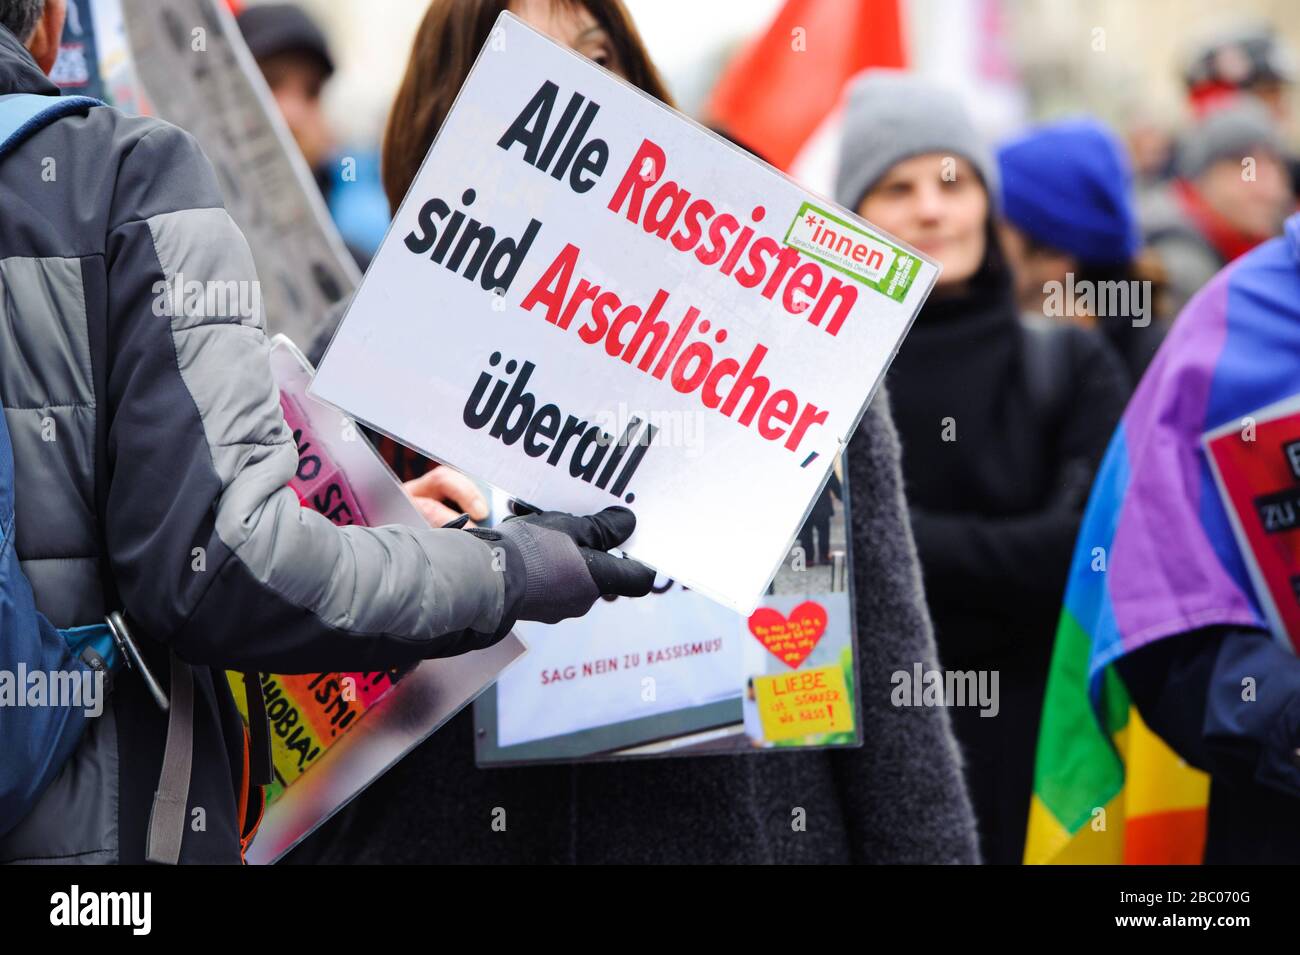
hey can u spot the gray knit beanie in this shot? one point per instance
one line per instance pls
(1230, 132)
(891, 116)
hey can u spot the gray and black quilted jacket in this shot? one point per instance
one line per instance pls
(170, 428)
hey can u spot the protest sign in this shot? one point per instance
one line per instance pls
(1256, 464)
(809, 701)
(95, 57)
(119, 84)
(76, 71)
(587, 299)
(332, 734)
(676, 673)
(198, 73)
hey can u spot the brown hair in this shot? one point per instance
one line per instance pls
(449, 39)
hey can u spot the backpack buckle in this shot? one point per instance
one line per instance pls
(131, 654)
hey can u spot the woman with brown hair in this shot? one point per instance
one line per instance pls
(446, 44)
(899, 798)
(450, 38)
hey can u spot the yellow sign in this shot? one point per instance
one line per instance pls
(802, 702)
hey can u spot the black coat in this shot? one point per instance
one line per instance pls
(997, 470)
(1189, 690)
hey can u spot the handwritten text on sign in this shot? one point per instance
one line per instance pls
(803, 702)
(789, 638)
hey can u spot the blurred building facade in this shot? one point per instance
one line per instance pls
(1015, 59)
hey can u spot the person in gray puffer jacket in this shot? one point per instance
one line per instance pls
(899, 798)
(152, 464)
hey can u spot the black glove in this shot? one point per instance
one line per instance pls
(556, 567)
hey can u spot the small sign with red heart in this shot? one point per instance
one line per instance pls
(790, 639)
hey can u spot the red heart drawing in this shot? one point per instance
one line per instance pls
(789, 639)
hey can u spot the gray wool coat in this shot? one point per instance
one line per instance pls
(900, 798)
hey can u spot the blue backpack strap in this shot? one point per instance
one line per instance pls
(93, 641)
(22, 114)
(35, 741)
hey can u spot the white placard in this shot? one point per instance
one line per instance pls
(587, 299)
(682, 652)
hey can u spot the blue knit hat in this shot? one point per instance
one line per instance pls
(1067, 185)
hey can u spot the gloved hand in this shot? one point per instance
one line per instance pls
(556, 567)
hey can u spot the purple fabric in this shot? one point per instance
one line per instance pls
(1165, 576)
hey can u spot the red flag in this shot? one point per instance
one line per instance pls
(775, 93)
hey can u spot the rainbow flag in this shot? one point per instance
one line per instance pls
(1156, 557)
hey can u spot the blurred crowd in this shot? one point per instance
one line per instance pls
(1105, 297)
(1067, 253)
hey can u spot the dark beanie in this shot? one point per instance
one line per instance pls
(1067, 186)
(1237, 129)
(274, 28)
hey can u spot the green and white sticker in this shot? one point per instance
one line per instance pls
(861, 255)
